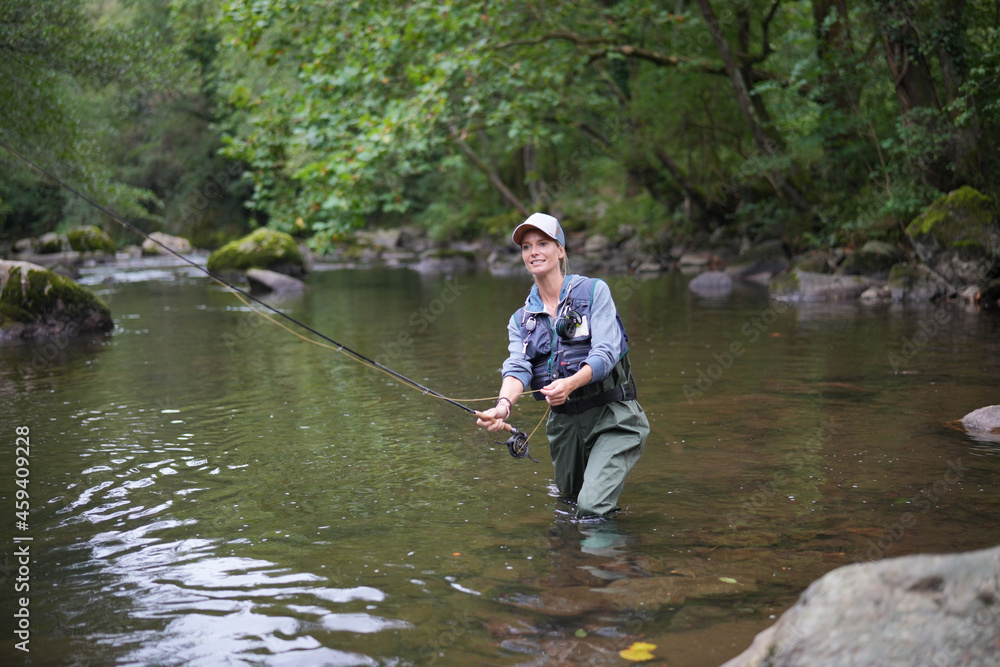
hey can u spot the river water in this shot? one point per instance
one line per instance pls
(206, 488)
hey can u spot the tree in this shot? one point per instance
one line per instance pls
(359, 113)
(66, 87)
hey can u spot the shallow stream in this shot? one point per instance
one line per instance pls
(207, 488)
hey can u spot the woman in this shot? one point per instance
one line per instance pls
(569, 344)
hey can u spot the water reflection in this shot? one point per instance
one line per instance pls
(206, 606)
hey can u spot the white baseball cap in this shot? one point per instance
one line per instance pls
(546, 224)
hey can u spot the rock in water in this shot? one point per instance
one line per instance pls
(916, 282)
(914, 610)
(178, 244)
(874, 259)
(35, 302)
(767, 259)
(711, 283)
(90, 238)
(263, 281)
(958, 235)
(263, 249)
(801, 285)
(984, 419)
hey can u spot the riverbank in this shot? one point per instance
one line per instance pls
(874, 272)
(949, 252)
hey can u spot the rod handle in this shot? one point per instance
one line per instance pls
(507, 427)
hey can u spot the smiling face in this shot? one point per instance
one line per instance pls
(541, 254)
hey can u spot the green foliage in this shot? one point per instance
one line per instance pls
(69, 81)
(319, 118)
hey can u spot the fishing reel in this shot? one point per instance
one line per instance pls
(567, 324)
(517, 445)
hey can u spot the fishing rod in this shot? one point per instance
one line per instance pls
(517, 444)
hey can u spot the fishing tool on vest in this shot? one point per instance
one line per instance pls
(517, 445)
(567, 324)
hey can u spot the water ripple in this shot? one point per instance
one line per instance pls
(222, 605)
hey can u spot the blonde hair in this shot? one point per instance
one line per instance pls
(564, 262)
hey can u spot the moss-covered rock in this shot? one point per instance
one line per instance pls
(958, 235)
(263, 249)
(90, 238)
(36, 302)
(875, 259)
(51, 242)
(960, 215)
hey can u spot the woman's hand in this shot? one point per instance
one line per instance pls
(557, 391)
(493, 419)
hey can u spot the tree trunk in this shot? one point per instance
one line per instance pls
(490, 172)
(531, 173)
(952, 59)
(951, 52)
(765, 144)
(917, 92)
(912, 75)
(714, 210)
(835, 50)
(746, 68)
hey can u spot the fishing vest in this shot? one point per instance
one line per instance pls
(555, 356)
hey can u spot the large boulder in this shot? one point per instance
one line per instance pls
(711, 283)
(874, 258)
(958, 235)
(984, 419)
(90, 238)
(446, 260)
(914, 610)
(917, 283)
(761, 262)
(154, 245)
(263, 249)
(817, 261)
(387, 239)
(35, 302)
(50, 243)
(801, 285)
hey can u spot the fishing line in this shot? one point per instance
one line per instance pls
(517, 444)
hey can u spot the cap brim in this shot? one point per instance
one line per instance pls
(524, 228)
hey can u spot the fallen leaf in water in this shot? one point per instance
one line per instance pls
(638, 652)
(728, 580)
